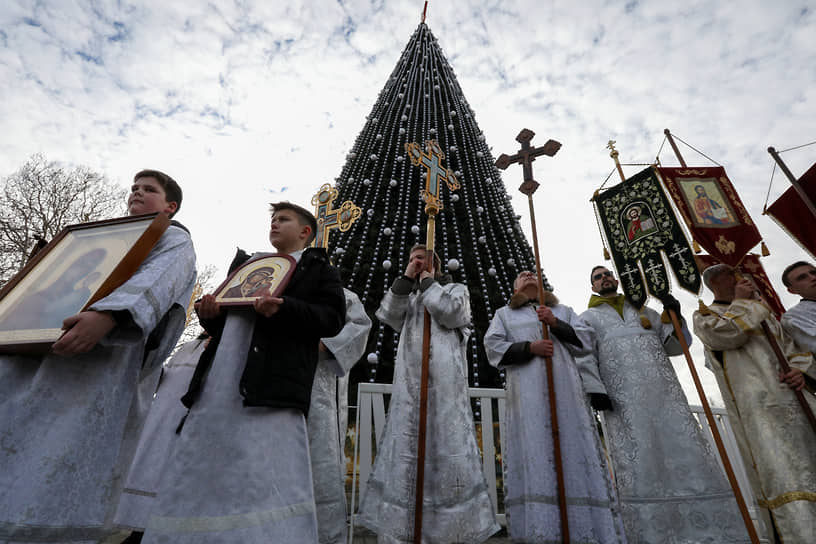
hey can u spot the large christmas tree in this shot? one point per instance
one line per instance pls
(478, 235)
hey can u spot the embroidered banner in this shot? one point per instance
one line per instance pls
(639, 224)
(792, 214)
(713, 211)
(751, 268)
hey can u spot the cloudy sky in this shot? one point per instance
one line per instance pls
(246, 102)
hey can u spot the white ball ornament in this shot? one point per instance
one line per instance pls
(481, 137)
(509, 230)
(415, 229)
(402, 131)
(379, 136)
(479, 210)
(511, 262)
(350, 180)
(450, 127)
(404, 118)
(479, 154)
(482, 239)
(455, 198)
(392, 183)
(453, 149)
(401, 96)
(352, 155)
(453, 113)
(387, 231)
(373, 157)
(386, 264)
(370, 212)
(375, 120)
(432, 131)
(372, 358)
(453, 264)
(399, 158)
(491, 271)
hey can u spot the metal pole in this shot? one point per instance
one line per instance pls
(796, 185)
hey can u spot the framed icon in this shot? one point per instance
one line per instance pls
(264, 274)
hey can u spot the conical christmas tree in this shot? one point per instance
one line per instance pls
(478, 235)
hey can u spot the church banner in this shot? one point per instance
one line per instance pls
(794, 216)
(713, 211)
(753, 270)
(640, 228)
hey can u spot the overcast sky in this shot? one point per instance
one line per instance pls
(248, 102)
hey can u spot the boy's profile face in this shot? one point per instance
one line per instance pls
(148, 196)
(286, 231)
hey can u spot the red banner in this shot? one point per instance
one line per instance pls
(794, 216)
(713, 211)
(751, 268)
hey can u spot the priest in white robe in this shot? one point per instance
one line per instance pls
(158, 437)
(514, 342)
(771, 428)
(456, 503)
(670, 487)
(327, 420)
(240, 471)
(66, 418)
(800, 320)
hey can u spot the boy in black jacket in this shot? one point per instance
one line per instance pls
(241, 472)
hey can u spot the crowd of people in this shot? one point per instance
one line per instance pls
(215, 446)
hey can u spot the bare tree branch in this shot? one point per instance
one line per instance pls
(42, 198)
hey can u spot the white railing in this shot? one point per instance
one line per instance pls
(371, 422)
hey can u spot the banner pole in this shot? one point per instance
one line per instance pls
(669, 137)
(796, 185)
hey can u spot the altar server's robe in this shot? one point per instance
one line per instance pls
(800, 323)
(158, 437)
(69, 425)
(670, 487)
(456, 504)
(327, 420)
(531, 492)
(769, 423)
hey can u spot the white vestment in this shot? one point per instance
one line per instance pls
(456, 504)
(531, 493)
(769, 423)
(69, 425)
(158, 437)
(326, 435)
(670, 487)
(800, 322)
(238, 474)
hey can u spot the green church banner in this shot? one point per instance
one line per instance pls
(641, 230)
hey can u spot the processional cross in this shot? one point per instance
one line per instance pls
(525, 156)
(431, 159)
(330, 218)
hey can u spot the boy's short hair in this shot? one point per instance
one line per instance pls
(785, 279)
(172, 190)
(305, 216)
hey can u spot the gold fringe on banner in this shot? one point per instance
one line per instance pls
(607, 256)
(765, 251)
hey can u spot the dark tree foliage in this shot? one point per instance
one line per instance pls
(41, 198)
(478, 235)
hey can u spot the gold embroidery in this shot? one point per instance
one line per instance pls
(726, 246)
(785, 498)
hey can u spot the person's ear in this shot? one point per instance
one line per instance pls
(171, 208)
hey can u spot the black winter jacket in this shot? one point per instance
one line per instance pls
(282, 357)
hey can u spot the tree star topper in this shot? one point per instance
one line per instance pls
(432, 161)
(330, 218)
(525, 156)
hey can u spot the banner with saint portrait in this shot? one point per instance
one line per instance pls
(641, 230)
(713, 211)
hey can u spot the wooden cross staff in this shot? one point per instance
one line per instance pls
(330, 218)
(431, 159)
(525, 156)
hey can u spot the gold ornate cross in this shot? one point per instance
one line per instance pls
(330, 218)
(432, 161)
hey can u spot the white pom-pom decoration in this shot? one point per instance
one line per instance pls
(372, 358)
(455, 198)
(482, 239)
(453, 264)
(370, 212)
(392, 183)
(386, 264)
(415, 229)
(479, 210)
(373, 157)
(491, 271)
(511, 262)
(387, 231)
